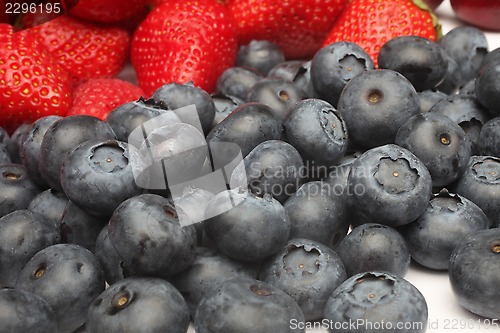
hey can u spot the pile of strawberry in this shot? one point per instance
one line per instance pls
(69, 64)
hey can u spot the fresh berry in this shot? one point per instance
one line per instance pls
(260, 55)
(371, 23)
(182, 41)
(297, 26)
(16, 188)
(107, 11)
(480, 13)
(85, 49)
(488, 87)
(98, 97)
(32, 83)
(489, 138)
(237, 81)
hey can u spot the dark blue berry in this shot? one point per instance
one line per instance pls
(260, 55)
(237, 81)
(489, 138)
(17, 189)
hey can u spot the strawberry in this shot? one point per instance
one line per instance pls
(32, 83)
(107, 11)
(297, 26)
(371, 23)
(85, 49)
(182, 41)
(98, 97)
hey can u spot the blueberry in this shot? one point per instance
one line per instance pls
(22, 311)
(286, 70)
(389, 185)
(111, 262)
(260, 55)
(469, 88)
(97, 176)
(374, 247)
(428, 98)
(297, 71)
(238, 231)
(448, 219)
(489, 138)
(488, 87)
(306, 270)
(249, 125)
(127, 117)
(274, 167)
(15, 142)
(31, 147)
(468, 46)
(224, 105)
(491, 56)
(317, 130)
(466, 112)
(173, 96)
(62, 137)
(209, 271)
(372, 302)
(138, 305)
(481, 185)
(51, 204)
(422, 61)
(4, 155)
(452, 81)
(255, 306)
(334, 65)
(146, 227)
(318, 213)
(79, 227)
(278, 94)
(22, 234)
(17, 189)
(473, 273)
(375, 104)
(68, 277)
(237, 81)
(439, 143)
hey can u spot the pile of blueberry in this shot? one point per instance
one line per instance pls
(346, 174)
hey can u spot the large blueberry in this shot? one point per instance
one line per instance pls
(22, 234)
(17, 189)
(139, 305)
(481, 184)
(248, 305)
(389, 185)
(375, 104)
(145, 228)
(334, 65)
(62, 137)
(306, 270)
(374, 247)
(318, 212)
(22, 311)
(68, 277)
(245, 226)
(237, 81)
(473, 271)
(448, 219)
(439, 143)
(51, 204)
(318, 131)
(489, 138)
(260, 55)
(376, 302)
(98, 176)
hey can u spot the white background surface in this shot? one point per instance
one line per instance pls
(445, 314)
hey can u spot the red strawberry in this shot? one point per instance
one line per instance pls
(107, 11)
(98, 97)
(181, 41)
(85, 49)
(297, 26)
(371, 23)
(32, 83)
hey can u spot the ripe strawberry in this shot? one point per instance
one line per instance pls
(182, 41)
(371, 23)
(32, 83)
(297, 26)
(484, 14)
(98, 97)
(85, 49)
(107, 11)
